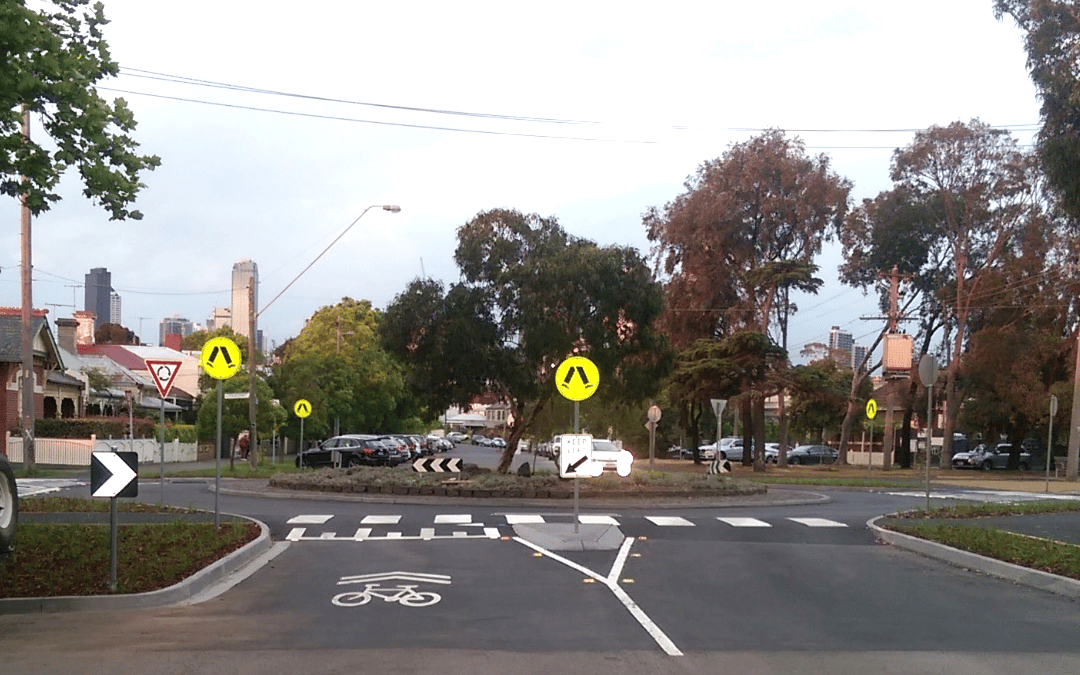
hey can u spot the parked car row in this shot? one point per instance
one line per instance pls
(369, 450)
(988, 457)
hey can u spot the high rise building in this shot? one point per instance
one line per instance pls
(245, 274)
(221, 316)
(841, 342)
(98, 287)
(857, 355)
(175, 325)
(114, 308)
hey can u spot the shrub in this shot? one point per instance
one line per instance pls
(102, 427)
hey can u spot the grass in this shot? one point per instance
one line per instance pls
(60, 560)
(241, 469)
(1058, 558)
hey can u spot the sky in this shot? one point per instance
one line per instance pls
(279, 123)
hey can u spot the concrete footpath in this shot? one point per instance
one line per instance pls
(225, 573)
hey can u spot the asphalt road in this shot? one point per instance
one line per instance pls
(801, 587)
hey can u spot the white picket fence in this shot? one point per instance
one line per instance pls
(77, 451)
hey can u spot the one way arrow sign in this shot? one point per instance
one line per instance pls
(114, 474)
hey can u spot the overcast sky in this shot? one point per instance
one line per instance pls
(590, 112)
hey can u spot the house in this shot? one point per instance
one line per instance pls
(55, 394)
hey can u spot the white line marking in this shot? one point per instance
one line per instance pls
(380, 520)
(453, 519)
(393, 535)
(744, 522)
(362, 533)
(643, 619)
(817, 522)
(492, 532)
(328, 535)
(523, 519)
(597, 520)
(296, 534)
(427, 533)
(669, 521)
(308, 520)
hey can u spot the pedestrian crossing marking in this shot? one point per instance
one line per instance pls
(597, 520)
(308, 520)
(744, 522)
(453, 519)
(524, 519)
(380, 520)
(669, 521)
(817, 522)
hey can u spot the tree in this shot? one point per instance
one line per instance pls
(337, 364)
(1054, 63)
(115, 334)
(53, 60)
(743, 234)
(234, 413)
(988, 195)
(530, 296)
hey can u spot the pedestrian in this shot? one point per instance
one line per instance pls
(244, 445)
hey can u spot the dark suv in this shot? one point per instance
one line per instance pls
(348, 450)
(9, 505)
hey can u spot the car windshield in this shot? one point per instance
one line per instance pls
(604, 446)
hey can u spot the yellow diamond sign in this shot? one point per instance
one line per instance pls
(577, 378)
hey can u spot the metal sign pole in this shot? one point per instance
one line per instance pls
(161, 499)
(1050, 440)
(576, 510)
(217, 460)
(112, 544)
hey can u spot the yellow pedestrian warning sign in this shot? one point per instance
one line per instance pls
(220, 358)
(302, 408)
(871, 408)
(577, 378)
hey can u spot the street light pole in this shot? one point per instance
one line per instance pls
(254, 317)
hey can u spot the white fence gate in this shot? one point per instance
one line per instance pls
(77, 451)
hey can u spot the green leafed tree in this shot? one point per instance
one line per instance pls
(531, 295)
(54, 57)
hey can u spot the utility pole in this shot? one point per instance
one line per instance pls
(253, 449)
(27, 348)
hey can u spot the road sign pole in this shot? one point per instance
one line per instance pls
(577, 410)
(217, 459)
(161, 499)
(112, 544)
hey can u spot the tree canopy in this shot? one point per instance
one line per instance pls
(54, 57)
(531, 295)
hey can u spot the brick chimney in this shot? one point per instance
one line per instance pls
(84, 334)
(65, 334)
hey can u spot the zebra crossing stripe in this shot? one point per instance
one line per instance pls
(597, 520)
(380, 520)
(523, 519)
(669, 521)
(744, 522)
(453, 519)
(817, 522)
(308, 520)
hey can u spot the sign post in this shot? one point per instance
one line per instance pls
(577, 378)
(928, 374)
(871, 413)
(1050, 439)
(653, 416)
(114, 474)
(164, 374)
(220, 359)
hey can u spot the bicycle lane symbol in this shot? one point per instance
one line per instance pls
(403, 593)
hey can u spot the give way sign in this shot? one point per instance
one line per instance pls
(163, 373)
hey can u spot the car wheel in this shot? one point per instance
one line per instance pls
(987, 465)
(9, 506)
(353, 462)
(794, 460)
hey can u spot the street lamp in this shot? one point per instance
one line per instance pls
(392, 208)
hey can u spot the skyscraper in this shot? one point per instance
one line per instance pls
(98, 287)
(840, 345)
(114, 308)
(244, 274)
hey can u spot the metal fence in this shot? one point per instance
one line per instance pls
(77, 451)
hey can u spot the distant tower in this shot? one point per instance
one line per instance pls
(114, 308)
(840, 345)
(174, 325)
(244, 273)
(98, 288)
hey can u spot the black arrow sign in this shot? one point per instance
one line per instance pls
(437, 465)
(224, 353)
(573, 467)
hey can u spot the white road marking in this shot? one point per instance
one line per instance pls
(744, 522)
(817, 522)
(597, 520)
(669, 521)
(611, 581)
(453, 519)
(308, 520)
(380, 520)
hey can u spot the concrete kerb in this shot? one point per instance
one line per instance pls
(1022, 575)
(200, 586)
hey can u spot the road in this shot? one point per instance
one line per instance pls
(795, 588)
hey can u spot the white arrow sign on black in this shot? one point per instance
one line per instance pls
(114, 474)
(437, 465)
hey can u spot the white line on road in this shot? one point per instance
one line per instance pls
(817, 522)
(744, 522)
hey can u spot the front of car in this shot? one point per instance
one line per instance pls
(972, 459)
(611, 457)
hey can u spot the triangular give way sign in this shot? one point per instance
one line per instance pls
(163, 373)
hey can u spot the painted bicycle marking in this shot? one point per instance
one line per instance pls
(402, 593)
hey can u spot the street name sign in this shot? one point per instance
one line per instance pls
(114, 474)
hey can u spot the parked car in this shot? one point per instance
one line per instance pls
(352, 449)
(457, 437)
(677, 452)
(987, 457)
(556, 446)
(9, 504)
(812, 454)
(772, 453)
(611, 457)
(498, 442)
(731, 448)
